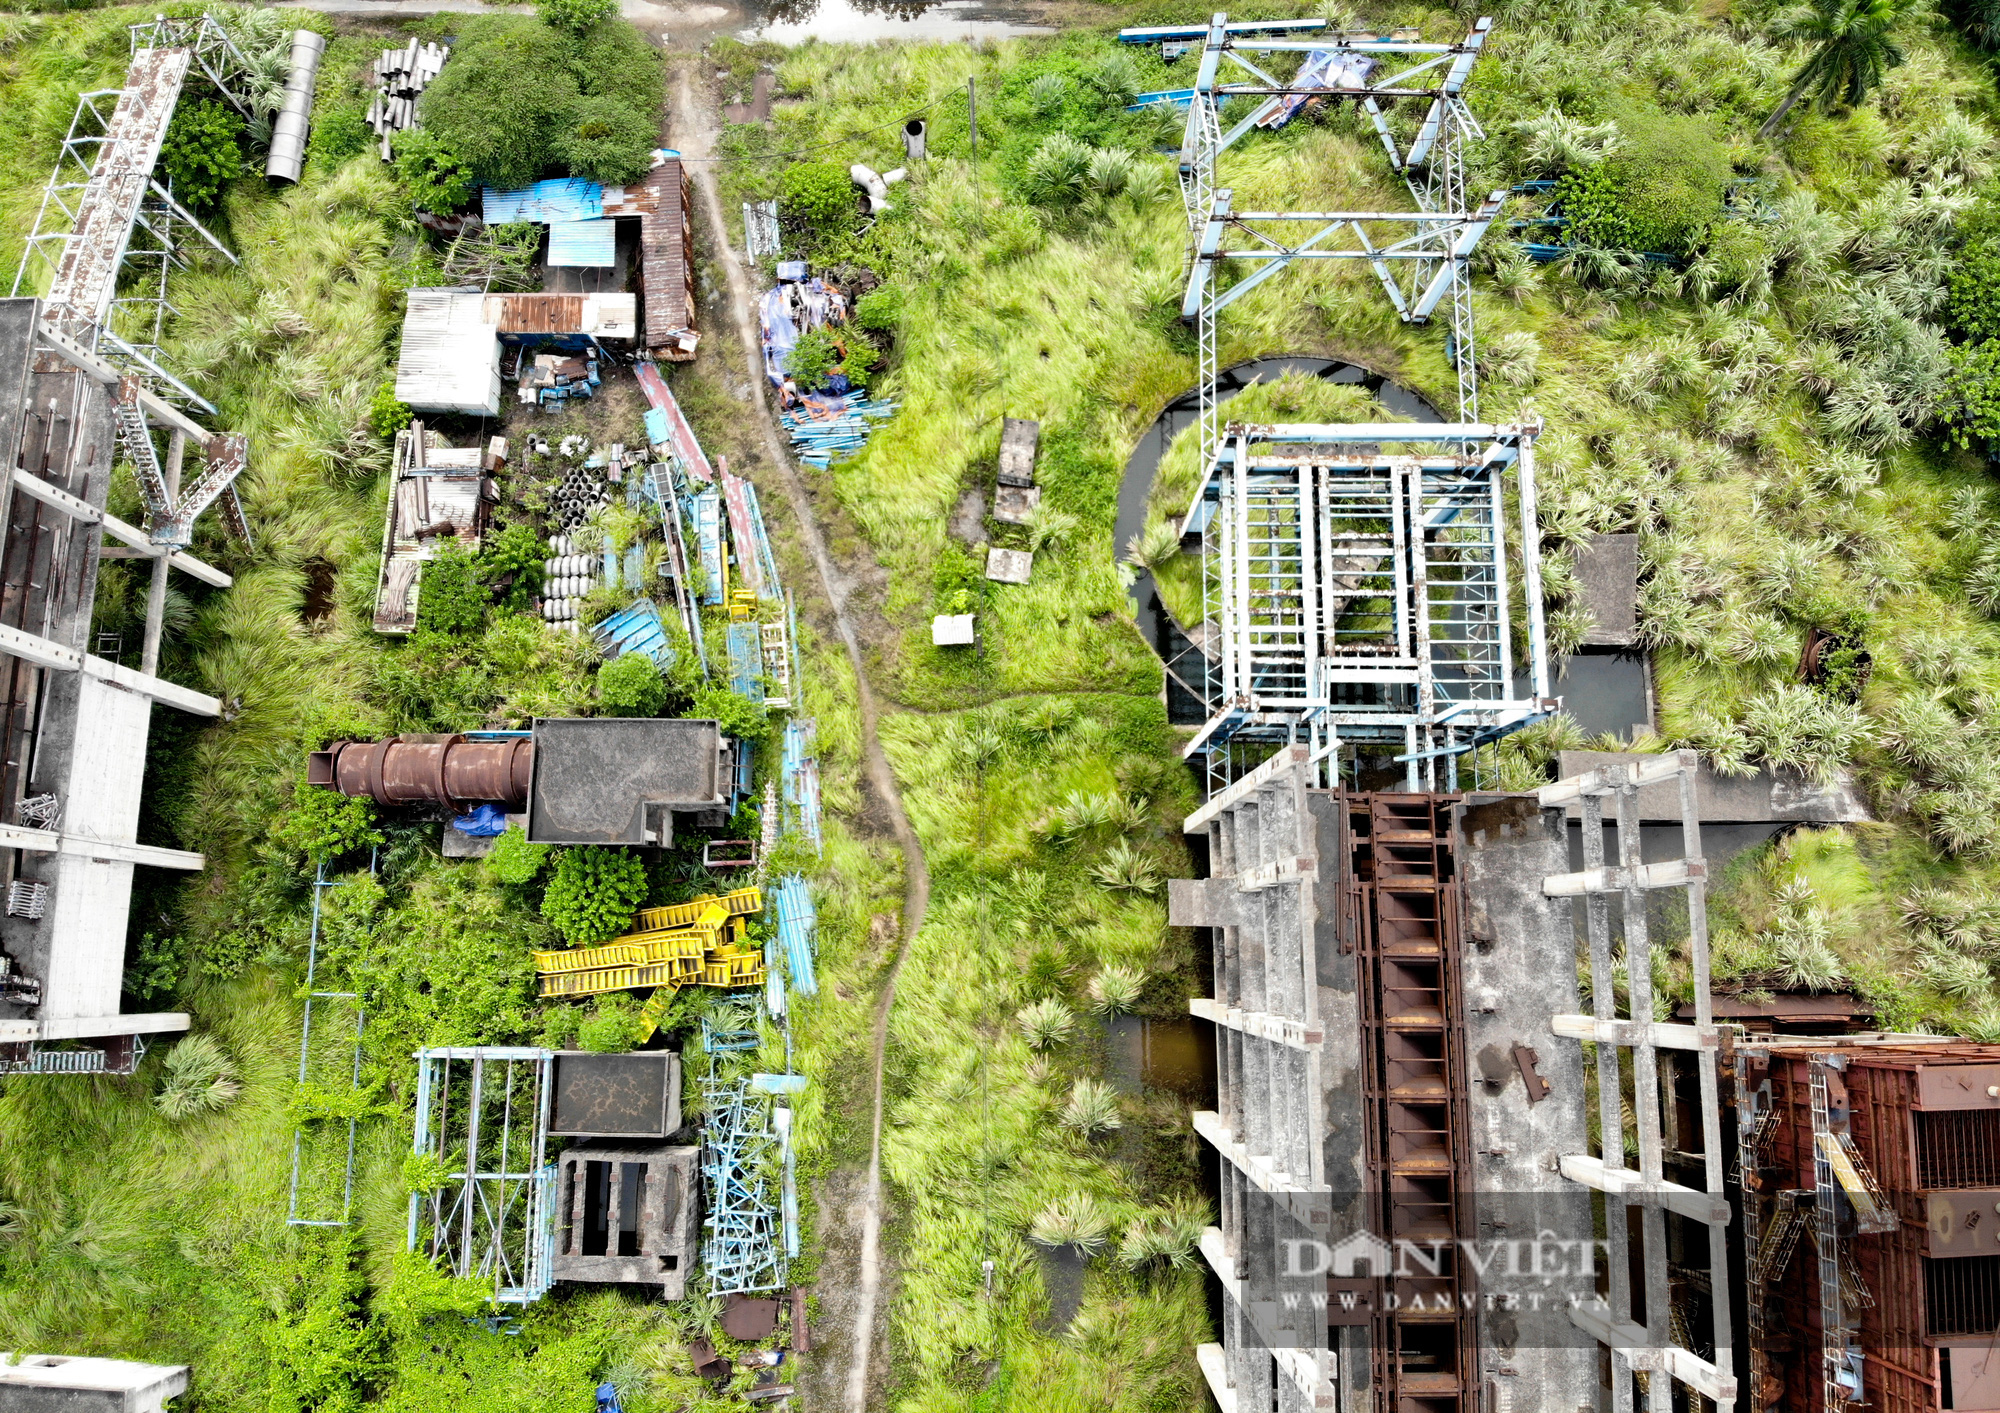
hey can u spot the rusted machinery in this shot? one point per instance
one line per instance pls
(453, 770)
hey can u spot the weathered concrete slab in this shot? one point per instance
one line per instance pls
(1005, 566)
(1609, 569)
(1769, 796)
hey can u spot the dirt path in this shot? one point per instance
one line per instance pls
(694, 125)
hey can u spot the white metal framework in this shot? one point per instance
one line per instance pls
(107, 237)
(1664, 1348)
(1355, 587)
(483, 1114)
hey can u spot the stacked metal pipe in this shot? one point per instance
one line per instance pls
(401, 75)
(288, 134)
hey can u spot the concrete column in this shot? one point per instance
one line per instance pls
(156, 593)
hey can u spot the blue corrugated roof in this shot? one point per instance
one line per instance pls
(589, 243)
(637, 630)
(793, 903)
(559, 199)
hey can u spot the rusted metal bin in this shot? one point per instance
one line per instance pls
(446, 770)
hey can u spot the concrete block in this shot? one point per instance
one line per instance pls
(1769, 797)
(460, 845)
(1016, 504)
(56, 1383)
(1005, 566)
(1609, 569)
(952, 630)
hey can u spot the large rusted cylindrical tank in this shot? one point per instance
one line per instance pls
(445, 770)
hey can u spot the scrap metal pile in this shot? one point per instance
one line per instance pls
(700, 943)
(400, 76)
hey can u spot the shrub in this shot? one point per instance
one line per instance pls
(324, 824)
(817, 203)
(1046, 1023)
(813, 357)
(1076, 1220)
(594, 893)
(1115, 990)
(1092, 1108)
(612, 1027)
(514, 860)
(511, 564)
(736, 714)
(575, 16)
(387, 416)
(630, 685)
(606, 139)
(1057, 171)
(1125, 869)
(203, 151)
(200, 1079)
(452, 596)
(433, 175)
(1659, 189)
(339, 131)
(880, 310)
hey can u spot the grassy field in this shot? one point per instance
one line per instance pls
(1763, 415)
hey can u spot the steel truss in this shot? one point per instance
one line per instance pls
(311, 1141)
(1672, 1216)
(1432, 243)
(483, 1112)
(743, 1249)
(1355, 588)
(107, 238)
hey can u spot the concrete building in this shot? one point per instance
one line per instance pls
(631, 1215)
(75, 725)
(1386, 968)
(57, 1383)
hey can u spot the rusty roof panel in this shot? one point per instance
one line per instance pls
(87, 275)
(666, 240)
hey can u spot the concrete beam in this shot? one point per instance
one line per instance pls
(1674, 873)
(51, 841)
(1282, 1030)
(1627, 1032)
(1215, 1369)
(1644, 770)
(1302, 1366)
(86, 1027)
(45, 652)
(1633, 1344)
(1270, 875)
(1263, 1174)
(1625, 1182)
(84, 513)
(159, 412)
(1232, 795)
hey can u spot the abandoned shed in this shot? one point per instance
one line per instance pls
(438, 495)
(621, 780)
(630, 1215)
(450, 359)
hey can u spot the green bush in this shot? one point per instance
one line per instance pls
(324, 824)
(817, 203)
(612, 1027)
(1593, 202)
(511, 564)
(575, 16)
(1972, 402)
(339, 131)
(386, 415)
(735, 713)
(606, 139)
(880, 310)
(514, 860)
(1974, 302)
(452, 597)
(630, 685)
(594, 894)
(433, 175)
(813, 357)
(520, 96)
(203, 151)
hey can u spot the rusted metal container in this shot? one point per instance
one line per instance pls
(446, 770)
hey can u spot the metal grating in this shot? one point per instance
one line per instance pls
(1962, 1296)
(1958, 1148)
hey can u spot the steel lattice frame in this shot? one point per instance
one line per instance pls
(1355, 581)
(483, 1112)
(743, 1249)
(1653, 1349)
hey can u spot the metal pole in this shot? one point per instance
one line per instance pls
(156, 593)
(972, 120)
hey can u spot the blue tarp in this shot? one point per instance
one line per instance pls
(637, 630)
(558, 199)
(485, 822)
(583, 244)
(746, 661)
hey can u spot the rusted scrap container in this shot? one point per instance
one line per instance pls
(1919, 1300)
(446, 770)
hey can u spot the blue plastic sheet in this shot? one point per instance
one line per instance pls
(485, 822)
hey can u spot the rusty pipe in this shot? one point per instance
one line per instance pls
(445, 770)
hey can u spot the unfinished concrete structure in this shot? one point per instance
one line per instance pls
(1415, 924)
(631, 1215)
(61, 1383)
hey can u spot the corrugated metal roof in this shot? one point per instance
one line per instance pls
(585, 243)
(558, 199)
(450, 360)
(605, 316)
